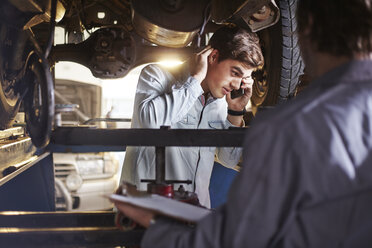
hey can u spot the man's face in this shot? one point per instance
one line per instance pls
(225, 76)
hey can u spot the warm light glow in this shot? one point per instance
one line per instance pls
(170, 63)
(101, 15)
(12, 213)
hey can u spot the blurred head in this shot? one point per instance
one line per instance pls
(236, 54)
(339, 28)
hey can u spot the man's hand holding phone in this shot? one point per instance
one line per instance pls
(246, 85)
(239, 98)
(237, 101)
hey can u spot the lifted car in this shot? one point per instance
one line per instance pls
(112, 37)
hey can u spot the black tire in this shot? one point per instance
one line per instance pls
(39, 101)
(8, 107)
(277, 82)
(8, 98)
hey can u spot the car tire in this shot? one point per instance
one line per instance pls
(9, 104)
(8, 107)
(277, 81)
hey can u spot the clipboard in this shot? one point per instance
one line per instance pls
(161, 205)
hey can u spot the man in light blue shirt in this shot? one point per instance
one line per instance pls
(307, 180)
(197, 96)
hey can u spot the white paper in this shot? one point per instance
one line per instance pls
(166, 206)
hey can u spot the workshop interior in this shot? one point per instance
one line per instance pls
(59, 147)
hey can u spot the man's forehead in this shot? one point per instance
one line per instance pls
(243, 70)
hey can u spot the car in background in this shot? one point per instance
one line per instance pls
(82, 179)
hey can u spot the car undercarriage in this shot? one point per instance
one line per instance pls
(113, 37)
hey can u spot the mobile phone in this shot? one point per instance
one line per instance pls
(237, 93)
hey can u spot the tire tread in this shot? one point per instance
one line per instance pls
(292, 65)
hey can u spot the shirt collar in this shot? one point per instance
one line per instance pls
(204, 101)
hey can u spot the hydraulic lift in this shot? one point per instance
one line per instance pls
(27, 217)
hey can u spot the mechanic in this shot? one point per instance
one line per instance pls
(307, 181)
(195, 96)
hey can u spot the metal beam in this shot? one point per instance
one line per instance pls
(17, 169)
(148, 137)
(26, 219)
(64, 229)
(14, 148)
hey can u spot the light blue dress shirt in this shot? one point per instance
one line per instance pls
(176, 100)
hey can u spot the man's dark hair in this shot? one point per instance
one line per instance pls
(339, 27)
(239, 44)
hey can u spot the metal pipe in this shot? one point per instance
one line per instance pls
(160, 165)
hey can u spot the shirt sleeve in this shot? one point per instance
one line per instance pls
(159, 101)
(229, 156)
(260, 201)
